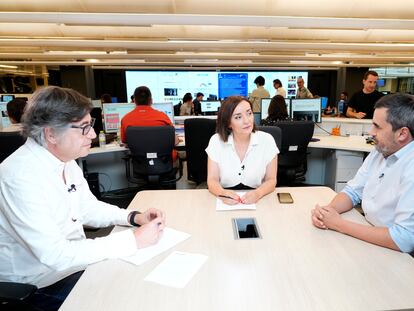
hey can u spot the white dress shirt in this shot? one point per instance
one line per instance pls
(386, 188)
(41, 222)
(281, 91)
(252, 170)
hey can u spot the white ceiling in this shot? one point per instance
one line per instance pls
(244, 33)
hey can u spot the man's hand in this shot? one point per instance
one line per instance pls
(317, 217)
(149, 215)
(149, 233)
(326, 217)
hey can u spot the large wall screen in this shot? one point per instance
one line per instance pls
(170, 86)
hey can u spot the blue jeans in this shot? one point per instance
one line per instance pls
(50, 298)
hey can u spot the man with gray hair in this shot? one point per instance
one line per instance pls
(302, 91)
(384, 183)
(45, 201)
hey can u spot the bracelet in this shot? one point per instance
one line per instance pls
(131, 218)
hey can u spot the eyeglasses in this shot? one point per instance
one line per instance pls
(85, 128)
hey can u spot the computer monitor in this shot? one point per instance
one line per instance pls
(380, 82)
(308, 109)
(265, 103)
(113, 114)
(324, 102)
(4, 117)
(6, 98)
(167, 108)
(210, 107)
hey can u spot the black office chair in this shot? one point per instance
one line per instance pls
(292, 160)
(177, 109)
(10, 142)
(197, 136)
(274, 131)
(151, 157)
(14, 296)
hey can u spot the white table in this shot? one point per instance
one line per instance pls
(295, 266)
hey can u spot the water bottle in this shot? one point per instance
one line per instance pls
(102, 139)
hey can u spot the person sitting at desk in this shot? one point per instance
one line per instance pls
(276, 112)
(384, 183)
(187, 108)
(239, 157)
(15, 109)
(197, 103)
(45, 201)
(145, 115)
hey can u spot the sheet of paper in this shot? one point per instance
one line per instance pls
(169, 239)
(221, 206)
(177, 269)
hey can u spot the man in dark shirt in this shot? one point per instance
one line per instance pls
(361, 105)
(197, 104)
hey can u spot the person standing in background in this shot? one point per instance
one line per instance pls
(259, 93)
(186, 108)
(302, 91)
(361, 105)
(277, 84)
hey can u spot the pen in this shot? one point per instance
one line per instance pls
(227, 197)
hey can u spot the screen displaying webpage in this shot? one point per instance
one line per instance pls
(170, 86)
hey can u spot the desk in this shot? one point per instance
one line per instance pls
(294, 267)
(334, 160)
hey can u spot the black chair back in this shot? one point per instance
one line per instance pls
(151, 154)
(275, 132)
(292, 160)
(9, 143)
(198, 132)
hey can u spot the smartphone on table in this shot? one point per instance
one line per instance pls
(285, 198)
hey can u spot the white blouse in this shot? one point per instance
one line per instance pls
(252, 170)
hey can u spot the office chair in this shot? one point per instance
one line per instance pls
(151, 150)
(292, 160)
(274, 131)
(10, 142)
(197, 136)
(14, 296)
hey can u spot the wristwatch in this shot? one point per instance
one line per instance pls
(131, 218)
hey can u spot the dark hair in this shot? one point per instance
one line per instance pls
(187, 97)
(277, 81)
(199, 94)
(15, 109)
(106, 98)
(400, 111)
(277, 108)
(259, 80)
(225, 113)
(53, 107)
(345, 93)
(142, 96)
(370, 72)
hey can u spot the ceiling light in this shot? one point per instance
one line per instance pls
(8, 66)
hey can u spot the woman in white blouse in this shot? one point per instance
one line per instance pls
(239, 157)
